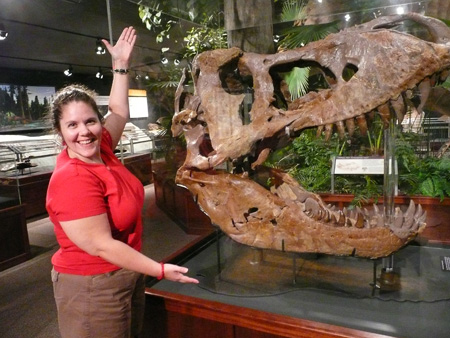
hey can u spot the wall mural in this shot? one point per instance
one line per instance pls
(23, 107)
(265, 208)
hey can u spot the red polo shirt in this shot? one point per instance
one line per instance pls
(79, 190)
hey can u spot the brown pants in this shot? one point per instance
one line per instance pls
(107, 305)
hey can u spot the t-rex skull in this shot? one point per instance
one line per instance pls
(388, 63)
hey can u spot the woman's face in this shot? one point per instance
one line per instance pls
(81, 130)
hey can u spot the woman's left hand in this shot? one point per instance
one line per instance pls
(121, 51)
(177, 273)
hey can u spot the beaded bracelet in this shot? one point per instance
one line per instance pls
(161, 276)
(121, 71)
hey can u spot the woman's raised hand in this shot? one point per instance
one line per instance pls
(121, 51)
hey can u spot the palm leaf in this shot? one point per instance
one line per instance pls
(297, 36)
(293, 10)
(297, 80)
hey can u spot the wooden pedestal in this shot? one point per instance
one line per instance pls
(14, 244)
(140, 166)
(32, 189)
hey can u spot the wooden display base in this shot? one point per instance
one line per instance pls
(192, 311)
(32, 189)
(14, 244)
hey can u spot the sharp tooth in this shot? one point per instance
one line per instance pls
(333, 218)
(411, 210)
(385, 114)
(319, 131)
(444, 75)
(422, 218)
(362, 124)
(419, 212)
(341, 129)
(350, 124)
(399, 107)
(348, 222)
(328, 131)
(424, 88)
(398, 218)
(376, 210)
(359, 220)
(341, 221)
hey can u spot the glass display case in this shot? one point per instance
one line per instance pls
(21, 155)
(255, 293)
(134, 141)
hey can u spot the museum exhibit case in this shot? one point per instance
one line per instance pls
(284, 263)
(27, 162)
(248, 292)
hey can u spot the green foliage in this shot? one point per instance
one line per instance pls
(421, 175)
(297, 80)
(293, 10)
(308, 159)
(208, 36)
(298, 36)
(154, 20)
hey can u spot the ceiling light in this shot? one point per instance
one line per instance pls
(99, 74)
(99, 48)
(68, 71)
(3, 32)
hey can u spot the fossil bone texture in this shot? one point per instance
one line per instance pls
(389, 65)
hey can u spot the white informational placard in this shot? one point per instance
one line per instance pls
(137, 100)
(359, 165)
(138, 106)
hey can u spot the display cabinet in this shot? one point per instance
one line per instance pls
(247, 292)
(134, 141)
(26, 164)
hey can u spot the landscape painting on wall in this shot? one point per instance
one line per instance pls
(23, 107)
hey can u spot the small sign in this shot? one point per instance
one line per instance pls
(445, 263)
(359, 165)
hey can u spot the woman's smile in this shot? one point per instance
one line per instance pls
(81, 131)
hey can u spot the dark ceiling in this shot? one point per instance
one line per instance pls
(50, 35)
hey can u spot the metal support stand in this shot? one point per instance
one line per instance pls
(219, 267)
(389, 278)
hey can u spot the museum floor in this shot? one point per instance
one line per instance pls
(26, 298)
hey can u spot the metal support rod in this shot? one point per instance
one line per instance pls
(108, 11)
(390, 181)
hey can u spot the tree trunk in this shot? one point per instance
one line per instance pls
(249, 25)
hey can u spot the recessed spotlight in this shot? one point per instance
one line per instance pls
(3, 32)
(99, 74)
(99, 48)
(68, 71)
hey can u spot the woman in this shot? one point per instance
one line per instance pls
(95, 205)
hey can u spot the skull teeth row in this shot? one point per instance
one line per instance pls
(400, 106)
(402, 223)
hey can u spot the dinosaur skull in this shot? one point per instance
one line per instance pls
(388, 64)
